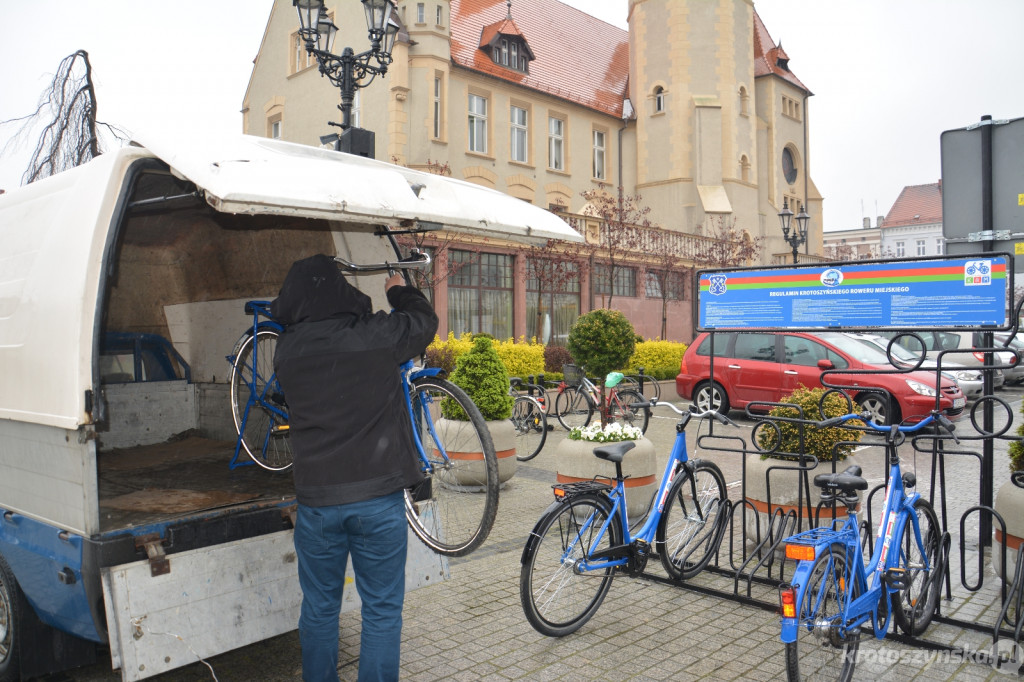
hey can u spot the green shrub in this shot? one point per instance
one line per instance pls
(822, 443)
(660, 359)
(522, 358)
(482, 375)
(1016, 449)
(602, 341)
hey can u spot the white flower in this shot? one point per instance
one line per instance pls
(610, 434)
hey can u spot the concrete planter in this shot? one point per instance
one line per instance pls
(576, 462)
(461, 440)
(1009, 504)
(785, 493)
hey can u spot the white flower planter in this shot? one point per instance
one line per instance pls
(1009, 504)
(461, 441)
(575, 461)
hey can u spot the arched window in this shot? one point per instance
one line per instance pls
(659, 99)
(744, 101)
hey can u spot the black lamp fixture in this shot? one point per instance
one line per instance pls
(798, 235)
(349, 71)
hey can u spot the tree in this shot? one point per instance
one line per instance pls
(555, 266)
(622, 221)
(71, 135)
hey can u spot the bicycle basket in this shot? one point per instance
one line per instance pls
(573, 375)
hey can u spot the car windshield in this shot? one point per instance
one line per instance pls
(899, 352)
(865, 352)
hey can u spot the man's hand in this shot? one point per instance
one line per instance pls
(395, 280)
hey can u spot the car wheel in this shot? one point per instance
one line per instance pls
(706, 397)
(878, 405)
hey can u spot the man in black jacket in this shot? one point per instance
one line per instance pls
(337, 362)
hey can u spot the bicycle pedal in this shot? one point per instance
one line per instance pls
(896, 578)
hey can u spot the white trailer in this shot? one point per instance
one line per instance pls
(122, 284)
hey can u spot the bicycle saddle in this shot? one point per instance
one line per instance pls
(847, 481)
(614, 452)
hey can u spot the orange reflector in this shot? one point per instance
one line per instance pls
(800, 552)
(559, 492)
(788, 603)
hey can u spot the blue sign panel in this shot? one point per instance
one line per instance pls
(958, 292)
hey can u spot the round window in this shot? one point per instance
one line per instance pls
(788, 166)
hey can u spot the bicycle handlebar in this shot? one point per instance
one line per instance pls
(417, 260)
(691, 410)
(935, 416)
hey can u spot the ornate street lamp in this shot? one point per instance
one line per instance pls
(349, 71)
(798, 235)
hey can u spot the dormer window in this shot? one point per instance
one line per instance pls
(507, 45)
(511, 53)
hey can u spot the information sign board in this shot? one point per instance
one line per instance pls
(898, 294)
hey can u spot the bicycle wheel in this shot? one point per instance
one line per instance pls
(531, 426)
(573, 409)
(558, 600)
(651, 388)
(914, 607)
(822, 651)
(621, 410)
(688, 533)
(453, 511)
(258, 402)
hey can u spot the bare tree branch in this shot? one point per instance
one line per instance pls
(70, 136)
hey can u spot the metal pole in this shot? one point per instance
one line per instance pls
(987, 453)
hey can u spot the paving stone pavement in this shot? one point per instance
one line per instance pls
(472, 627)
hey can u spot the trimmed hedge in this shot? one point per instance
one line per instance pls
(523, 358)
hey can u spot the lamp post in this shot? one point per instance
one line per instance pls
(349, 70)
(798, 236)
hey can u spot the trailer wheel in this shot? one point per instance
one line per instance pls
(11, 604)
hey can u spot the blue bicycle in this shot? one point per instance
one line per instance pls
(833, 593)
(584, 537)
(453, 510)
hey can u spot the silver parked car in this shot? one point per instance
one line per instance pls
(961, 347)
(969, 379)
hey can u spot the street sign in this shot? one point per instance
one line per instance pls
(965, 165)
(922, 293)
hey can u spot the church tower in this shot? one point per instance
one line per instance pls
(691, 82)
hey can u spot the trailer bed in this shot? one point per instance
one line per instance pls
(155, 483)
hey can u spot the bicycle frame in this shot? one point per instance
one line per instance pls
(898, 509)
(408, 376)
(677, 460)
(257, 308)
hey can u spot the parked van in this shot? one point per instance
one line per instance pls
(122, 290)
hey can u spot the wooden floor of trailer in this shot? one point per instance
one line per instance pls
(155, 483)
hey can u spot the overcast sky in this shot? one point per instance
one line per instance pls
(888, 76)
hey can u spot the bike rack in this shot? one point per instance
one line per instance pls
(753, 557)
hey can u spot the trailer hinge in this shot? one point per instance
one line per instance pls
(159, 564)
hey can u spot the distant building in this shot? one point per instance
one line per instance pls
(857, 244)
(913, 226)
(694, 108)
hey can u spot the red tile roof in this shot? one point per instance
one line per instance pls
(916, 205)
(577, 57)
(767, 55)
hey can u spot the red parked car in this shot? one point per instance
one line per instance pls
(765, 366)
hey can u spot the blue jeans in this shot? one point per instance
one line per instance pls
(374, 533)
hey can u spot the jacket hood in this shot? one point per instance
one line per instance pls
(314, 290)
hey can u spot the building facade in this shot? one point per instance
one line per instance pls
(693, 109)
(913, 226)
(858, 244)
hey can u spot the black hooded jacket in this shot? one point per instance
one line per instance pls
(337, 362)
